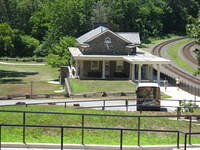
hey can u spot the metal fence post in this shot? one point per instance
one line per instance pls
(104, 104)
(0, 137)
(178, 112)
(185, 143)
(61, 139)
(178, 140)
(65, 105)
(126, 103)
(31, 89)
(24, 127)
(82, 133)
(195, 96)
(121, 138)
(138, 131)
(190, 130)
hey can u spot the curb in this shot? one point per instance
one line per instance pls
(91, 146)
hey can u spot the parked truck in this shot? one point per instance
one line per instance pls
(148, 97)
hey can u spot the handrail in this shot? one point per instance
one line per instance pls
(97, 128)
(89, 114)
(80, 127)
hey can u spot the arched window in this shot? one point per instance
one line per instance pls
(108, 42)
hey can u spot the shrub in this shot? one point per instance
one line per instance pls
(188, 107)
(59, 54)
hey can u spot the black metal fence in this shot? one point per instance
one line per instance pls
(125, 103)
(103, 107)
(83, 127)
(96, 128)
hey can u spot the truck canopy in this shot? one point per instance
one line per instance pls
(148, 85)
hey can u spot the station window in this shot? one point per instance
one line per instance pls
(94, 65)
(119, 66)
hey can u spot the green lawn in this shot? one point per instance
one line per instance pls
(73, 136)
(86, 86)
(16, 79)
(173, 54)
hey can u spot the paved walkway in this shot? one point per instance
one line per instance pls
(179, 94)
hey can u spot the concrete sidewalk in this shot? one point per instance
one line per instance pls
(179, 94)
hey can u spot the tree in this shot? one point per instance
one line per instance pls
(59, 54)
(29, 44)
(6, 39)
(176, 14)
(69, 17)
(142, 16)
(17, 13)
(150, 16)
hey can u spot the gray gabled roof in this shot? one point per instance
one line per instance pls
(132, 37)
(85, 37)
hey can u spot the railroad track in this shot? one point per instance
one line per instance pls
(187, 53)
(174, 69)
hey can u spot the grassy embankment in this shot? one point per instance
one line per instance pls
(73, 136)
(16, 79)
(86, 86)
(146, 45)
(89, 86)
(173, 54)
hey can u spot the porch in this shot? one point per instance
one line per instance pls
(120, 70)
(137, 67)
(103, 69)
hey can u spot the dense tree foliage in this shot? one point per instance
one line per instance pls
(59, 54)
(48, 21)
(6, 38)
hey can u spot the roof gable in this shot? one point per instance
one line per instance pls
(115, 34)
(129, 37)
(85, 37)
(133, 37)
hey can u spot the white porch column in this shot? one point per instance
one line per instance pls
(77, 69)
(103, 69)
(133, 72)
(158, 73)
(139, 73)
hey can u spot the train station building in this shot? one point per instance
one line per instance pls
(104, 54)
